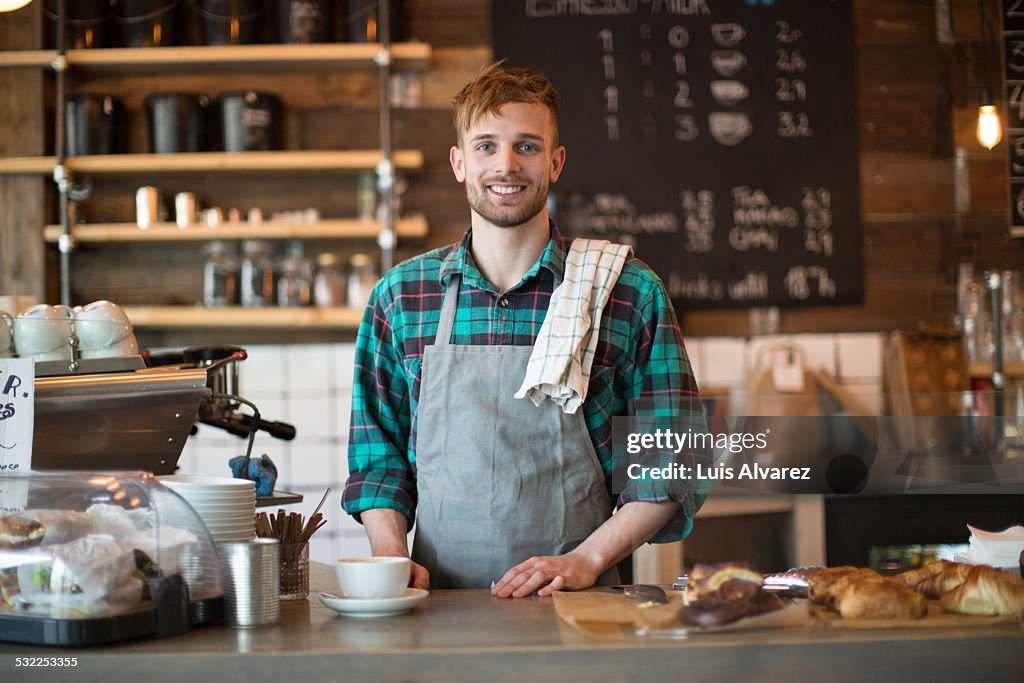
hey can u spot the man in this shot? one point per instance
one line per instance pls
(505, 493)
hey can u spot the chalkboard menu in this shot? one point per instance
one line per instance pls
(717, 136)
(1013, 57)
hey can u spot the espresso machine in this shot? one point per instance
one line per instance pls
(137, 412)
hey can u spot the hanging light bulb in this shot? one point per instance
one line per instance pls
(990, 130)
(11, 5)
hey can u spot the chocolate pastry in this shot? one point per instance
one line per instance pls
(706, 579)
(724, 593)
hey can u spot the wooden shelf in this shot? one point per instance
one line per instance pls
(410, 227)
(306, 161)
(271, 317)
(35, 58)
(984, 370)
(325, 56)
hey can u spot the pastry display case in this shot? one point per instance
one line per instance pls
(91, 558)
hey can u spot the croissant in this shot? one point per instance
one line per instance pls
(943, 582)
(879, 598)
(915, 576)
(987, 592)
(822, 583)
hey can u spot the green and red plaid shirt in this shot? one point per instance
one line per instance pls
(640, 358)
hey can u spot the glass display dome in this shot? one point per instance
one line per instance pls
(88, 558)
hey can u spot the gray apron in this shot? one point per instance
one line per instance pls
(499, 480)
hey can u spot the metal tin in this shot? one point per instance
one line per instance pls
(252, 595)
(149, 207)
(185, 209)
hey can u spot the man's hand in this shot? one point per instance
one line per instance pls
(611, 542)
(420, 577)
(387, 531)
(547, 574)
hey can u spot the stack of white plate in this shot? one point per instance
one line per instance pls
(226, 506)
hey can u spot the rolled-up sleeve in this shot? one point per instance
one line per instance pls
(663, 394)
(380, 473)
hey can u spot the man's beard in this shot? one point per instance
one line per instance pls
(481, 201)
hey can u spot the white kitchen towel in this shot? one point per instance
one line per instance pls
(563, 354)
(997, 548)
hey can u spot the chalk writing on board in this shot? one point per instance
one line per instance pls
(718, 138)
(1013, 60)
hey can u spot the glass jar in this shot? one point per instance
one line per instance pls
(362, 276)
(294, 574)
(366, 197)
(295, 278)
(220, 275)
(257, 275)
(330, 287)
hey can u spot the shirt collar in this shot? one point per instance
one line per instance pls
(460, 260)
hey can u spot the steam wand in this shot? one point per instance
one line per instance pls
(253, 428)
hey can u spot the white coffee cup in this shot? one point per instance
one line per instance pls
(126, 347)
(42, 330)
(101, 324)
(373, 577)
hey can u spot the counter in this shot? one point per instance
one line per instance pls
(469, 636)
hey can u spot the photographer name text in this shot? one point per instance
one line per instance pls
(755, 471)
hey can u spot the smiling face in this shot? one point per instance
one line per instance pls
(508, 161)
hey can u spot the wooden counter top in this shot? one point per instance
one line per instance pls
(470, 636)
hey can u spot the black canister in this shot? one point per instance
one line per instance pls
(177, 122)
(305, 21)
(93, 123)
(362, 20)
(249, 122)
(230, 22)
(146, 23)
(88, 23)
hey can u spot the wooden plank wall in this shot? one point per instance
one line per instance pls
(21, 133)
(917, 98)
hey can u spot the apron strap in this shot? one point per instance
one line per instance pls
(448, 306)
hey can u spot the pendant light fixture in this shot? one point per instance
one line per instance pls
(990, 129)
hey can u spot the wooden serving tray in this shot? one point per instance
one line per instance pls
(936, 618)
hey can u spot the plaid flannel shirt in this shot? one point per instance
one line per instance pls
(640, 358)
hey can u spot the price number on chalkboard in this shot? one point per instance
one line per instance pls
(793, 125)
(787, 34)
(790, 61)
(803, 281)
(790, 89)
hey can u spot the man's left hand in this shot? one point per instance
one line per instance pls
(547, 574)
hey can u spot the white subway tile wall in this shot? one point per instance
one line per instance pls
(310, 386)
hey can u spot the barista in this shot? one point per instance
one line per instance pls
(507, 494)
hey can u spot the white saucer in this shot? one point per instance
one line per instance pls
(375, 607)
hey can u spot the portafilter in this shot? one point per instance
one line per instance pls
(220, 406)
